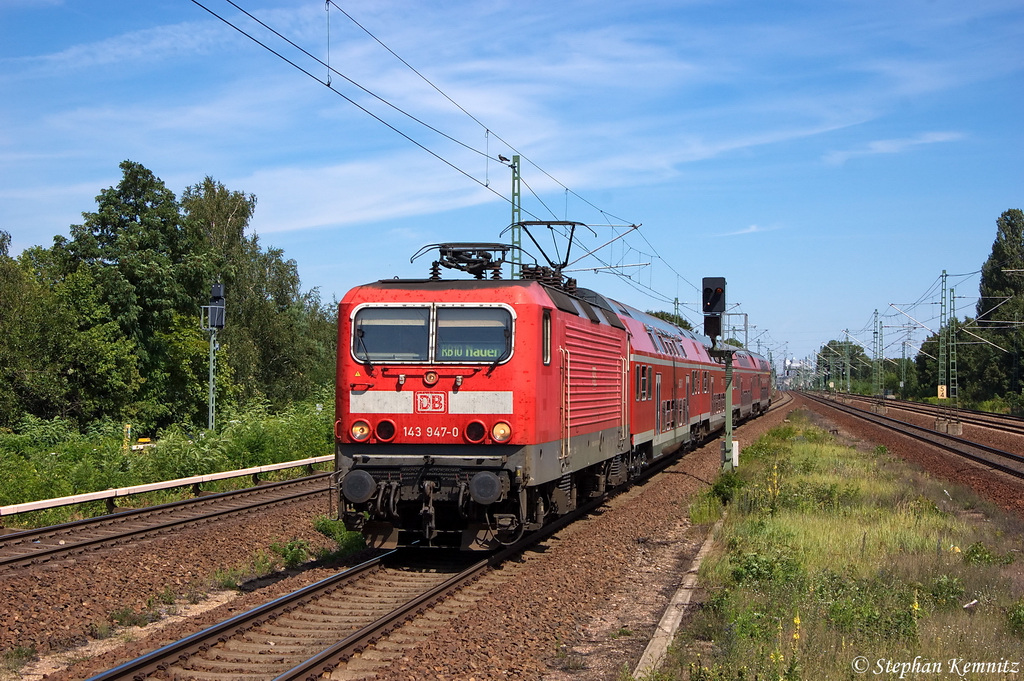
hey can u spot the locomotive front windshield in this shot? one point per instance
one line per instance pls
(391, 334)
(441, 334)
(473, 334)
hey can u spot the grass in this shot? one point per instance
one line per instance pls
(50, 459)
(16, 658)
(828, 553)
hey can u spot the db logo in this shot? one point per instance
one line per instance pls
(431, 402)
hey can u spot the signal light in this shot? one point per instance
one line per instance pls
(714, 295)
(475, 431)
(385, 430)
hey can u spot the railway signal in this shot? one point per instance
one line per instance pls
(714, 295)
(714, 308)
(213, 320)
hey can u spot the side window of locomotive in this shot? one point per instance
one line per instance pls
(546, 338)
(391, 334)
(473, 334)
(706, 381)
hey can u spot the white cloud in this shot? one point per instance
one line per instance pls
(135, 48)
(894, 146)
(752, 229)
(358, 192)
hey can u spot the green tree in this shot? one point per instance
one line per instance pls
(62, 357)
(281, 340)
(147, 267)
(832, 361)
(1001, 311)
(105, 324)
(672, 318)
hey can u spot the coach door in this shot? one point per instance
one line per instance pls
(659, 408)
(626, 387)
(685, 420)
(565, 406)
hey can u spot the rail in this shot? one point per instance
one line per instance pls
(108, 494)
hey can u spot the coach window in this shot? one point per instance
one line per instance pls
(643, 382)
(473, 334)
(391, 334)
(637, 373)
(650, 382)
(546, 337)
(706, 381)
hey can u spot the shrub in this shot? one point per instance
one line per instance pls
(946, 590)
(294, 553)
(348, 542)
(1015, 618)
(726, 486)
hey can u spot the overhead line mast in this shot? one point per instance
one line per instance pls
(517, 218)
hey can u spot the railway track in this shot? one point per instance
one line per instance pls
(61, 541)
(1010, 463)
(1001, 422)
(320, 629)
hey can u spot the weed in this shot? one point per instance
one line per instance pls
(979, 554)
(1015, 618)
(228, 579)
(262, 563)
(770, 565)
(167, 596)
(946, 590)
(705, 509)
(294, 552)
(348, 542)
(195, 593)
(126, 617)
(17, 657)
(726, 486)
(622, 631)
(100, 630)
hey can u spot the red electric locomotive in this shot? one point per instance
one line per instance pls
(471, 411)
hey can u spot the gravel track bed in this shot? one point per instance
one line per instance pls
(57, 606)
(582, 608)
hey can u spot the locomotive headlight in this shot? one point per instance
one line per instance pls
(501, 432)
(430, 378)
(360, 431)
(358, 486)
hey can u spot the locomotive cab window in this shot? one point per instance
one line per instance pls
(473, 334)
(391, 334)
(454, 334)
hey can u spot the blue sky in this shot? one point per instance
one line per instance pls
(827, 158)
